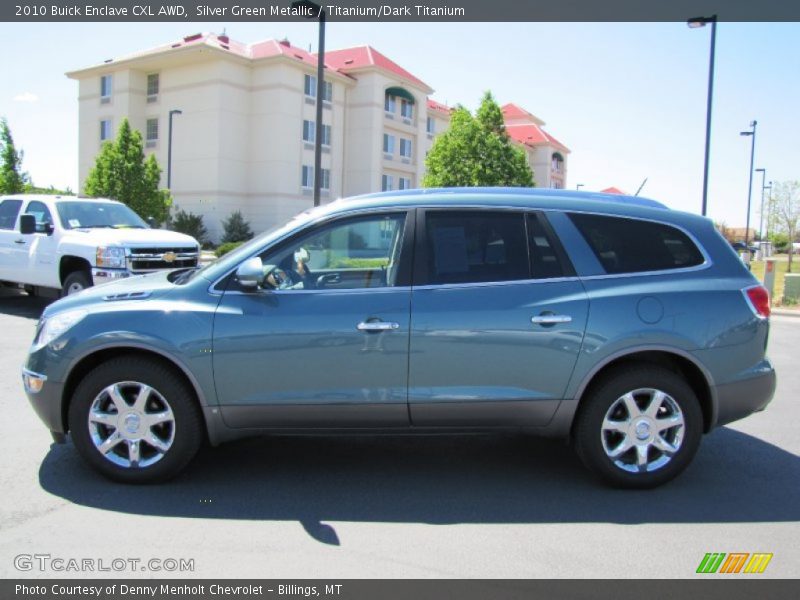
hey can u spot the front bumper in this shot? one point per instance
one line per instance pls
(742, 398)
(103, 275)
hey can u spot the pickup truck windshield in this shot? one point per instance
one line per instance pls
(88, 215)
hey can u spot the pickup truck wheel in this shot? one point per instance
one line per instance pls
(640, 427)
(135, 421)
(77, 281)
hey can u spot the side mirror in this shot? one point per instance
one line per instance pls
(251, 273)
(27, 224)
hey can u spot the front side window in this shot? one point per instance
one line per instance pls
(9, 209)
(475, 247)
(635, 246)
(357, 253)
(42, 214)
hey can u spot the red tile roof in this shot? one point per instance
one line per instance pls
(512, 111)
(613, 190)
(366, 56)
(434, 105)
(533, 135)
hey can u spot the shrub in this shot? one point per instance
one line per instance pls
(780, 242)
(190, 224)
(236, 228)
(223, 249)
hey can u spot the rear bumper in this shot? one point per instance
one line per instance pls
(742, 398)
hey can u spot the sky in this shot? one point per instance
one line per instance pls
(628, 99)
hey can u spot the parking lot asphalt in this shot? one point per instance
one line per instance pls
(458, 506)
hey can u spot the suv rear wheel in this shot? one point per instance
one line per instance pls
(134, 420)
(640, 427)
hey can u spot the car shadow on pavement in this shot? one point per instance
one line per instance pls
(17, 303)
(439, 480)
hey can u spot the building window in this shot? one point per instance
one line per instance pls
(309, 131)
(557, 163)
(406, 109)
(327, 91)
(405, 148)
(390, 104)
(326, 135)
(387, 183)
(106, 84)
(430, 127)
(388, 143)
(307, 177)
(325, 184)
(105, 130)
(404, 183)
(152, 87)
(151, 133)
(310, 86)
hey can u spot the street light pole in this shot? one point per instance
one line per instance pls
(761, 212)
(313, 8)
(752, 134)
(769, 207)
(172, 113)
(695, 23)
(579, 186)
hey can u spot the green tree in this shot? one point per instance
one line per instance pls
(236, 228)
(122, 172)
(12, 179)
(786, 208)
(477, 151)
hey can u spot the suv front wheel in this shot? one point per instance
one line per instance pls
(640, 427)
(135, 421)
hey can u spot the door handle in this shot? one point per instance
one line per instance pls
(377, 326)
(19, 241)
(551, 319)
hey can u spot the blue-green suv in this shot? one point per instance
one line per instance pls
(629, 328)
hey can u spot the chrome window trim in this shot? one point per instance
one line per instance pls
(291, 292)
(706, 264)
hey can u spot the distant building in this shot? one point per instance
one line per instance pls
(613, 190)
(245, 138)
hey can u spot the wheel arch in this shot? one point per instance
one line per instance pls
(673, 359)
(83, 365)
(69, 264)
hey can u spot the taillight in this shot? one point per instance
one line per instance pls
(758, 298)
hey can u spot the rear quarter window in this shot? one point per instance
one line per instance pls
(625, 245)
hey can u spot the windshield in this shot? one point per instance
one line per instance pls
(88, 215)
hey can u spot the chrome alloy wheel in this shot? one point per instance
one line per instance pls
(643, 430)
(131, 424)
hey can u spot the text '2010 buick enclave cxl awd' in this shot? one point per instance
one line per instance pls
(626, 327)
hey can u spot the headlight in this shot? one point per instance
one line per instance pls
(53, 327)
(111, 257)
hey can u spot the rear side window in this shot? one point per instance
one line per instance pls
(475, 247)
(547, 258)
(633, 246)
(9, 209)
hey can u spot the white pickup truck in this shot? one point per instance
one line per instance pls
(69, 243)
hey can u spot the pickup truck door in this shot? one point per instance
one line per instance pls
(13, 245)
(40, 261)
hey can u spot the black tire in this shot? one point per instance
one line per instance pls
(75, 282)
(591, 440)
(186, 429)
